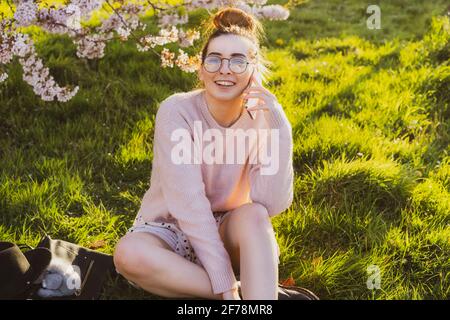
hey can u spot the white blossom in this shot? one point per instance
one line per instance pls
(3, 77)
(186, 63)
(274, 12)
(21, 48)
(167, 58)
(172, 20)
(67, 18)
(92, 46)
(73, 19)
(6, 43)
(35, 74)
(187, 39)
(258, 2)
(26, 13)
(87, 6)
(165, 36)
(125, 23)
(61, 20)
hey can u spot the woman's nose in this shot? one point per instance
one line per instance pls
(224, 68)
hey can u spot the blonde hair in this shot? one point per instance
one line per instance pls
(235, 21)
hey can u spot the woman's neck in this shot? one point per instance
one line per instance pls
(226, 113)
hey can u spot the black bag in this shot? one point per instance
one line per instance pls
(19, 270)
(94, 267)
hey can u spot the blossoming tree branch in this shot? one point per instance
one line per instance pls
(123, 21)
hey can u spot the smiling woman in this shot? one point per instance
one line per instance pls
(242, 55)
(200, 223)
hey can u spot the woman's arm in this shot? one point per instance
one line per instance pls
(184, 193)
(273, 187)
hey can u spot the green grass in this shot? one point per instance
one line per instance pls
(371, 121)
(314, 19)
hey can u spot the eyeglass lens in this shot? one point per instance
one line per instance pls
(237, 65)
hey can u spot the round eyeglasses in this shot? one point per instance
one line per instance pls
(235, 64)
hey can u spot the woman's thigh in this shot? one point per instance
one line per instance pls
(138, 240)
(128, 249)
(132, 247)
(230, 242)
(236, 225)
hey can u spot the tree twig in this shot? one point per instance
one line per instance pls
(126, 25)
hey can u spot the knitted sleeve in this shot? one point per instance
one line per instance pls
(271, 179)
(184, 192)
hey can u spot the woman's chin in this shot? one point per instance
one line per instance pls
(224, 94)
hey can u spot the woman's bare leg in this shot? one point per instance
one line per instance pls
(149, 262)
(249, 238)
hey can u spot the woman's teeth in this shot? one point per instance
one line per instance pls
(224, 83)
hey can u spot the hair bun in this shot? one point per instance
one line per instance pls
(234, 19)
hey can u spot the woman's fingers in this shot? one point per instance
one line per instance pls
(259, 90)
(254, 95)
(259, 106)
(265, 99)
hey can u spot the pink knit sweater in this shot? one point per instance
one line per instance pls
(189, 193)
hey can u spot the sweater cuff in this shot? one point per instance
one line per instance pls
(223, 281)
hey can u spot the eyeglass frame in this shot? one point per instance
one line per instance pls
(221, 63)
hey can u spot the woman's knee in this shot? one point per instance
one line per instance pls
(134, 255)
(250, 218)
(253, 215)
(124, 256)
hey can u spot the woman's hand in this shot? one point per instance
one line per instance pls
(232, 294)
(266, 98)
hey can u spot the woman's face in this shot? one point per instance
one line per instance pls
(228, 46)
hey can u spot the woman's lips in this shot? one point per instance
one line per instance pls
(224, 87)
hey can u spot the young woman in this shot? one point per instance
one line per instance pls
(202, 222)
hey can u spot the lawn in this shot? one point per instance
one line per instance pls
(371, 121)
